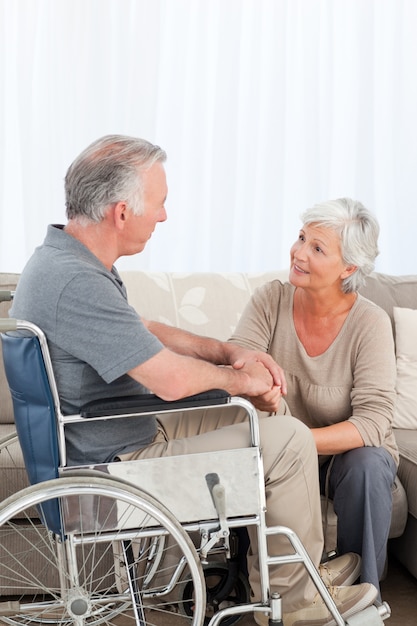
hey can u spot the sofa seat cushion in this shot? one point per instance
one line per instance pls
(12, 468)
(407, 471)
(8, 282)
(6, 406)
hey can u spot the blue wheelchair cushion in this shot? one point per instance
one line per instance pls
(34, 414)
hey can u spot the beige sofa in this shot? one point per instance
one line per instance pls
(211, 303)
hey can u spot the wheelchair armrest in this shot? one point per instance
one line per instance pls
(149, 402)
(6, 296)
(7, 324)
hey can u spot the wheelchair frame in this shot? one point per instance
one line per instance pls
(86, 507)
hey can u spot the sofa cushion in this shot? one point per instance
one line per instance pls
(390, 291)
(407, 471)
(6, 407)
(8, 282)
(405, 415)
(205, 303)
(12, 467)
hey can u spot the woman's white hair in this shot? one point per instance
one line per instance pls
(358, 230)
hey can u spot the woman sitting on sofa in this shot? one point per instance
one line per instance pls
(337, 351)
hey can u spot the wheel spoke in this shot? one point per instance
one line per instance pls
(89, 578)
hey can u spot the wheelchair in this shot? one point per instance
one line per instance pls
(149, 542)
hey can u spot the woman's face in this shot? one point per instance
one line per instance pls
(316, 259)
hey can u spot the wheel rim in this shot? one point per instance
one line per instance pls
(92, 587)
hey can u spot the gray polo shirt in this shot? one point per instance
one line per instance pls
(94, 337)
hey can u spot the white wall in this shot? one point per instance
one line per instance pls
(264, 107)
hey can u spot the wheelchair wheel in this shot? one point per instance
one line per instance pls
(118, 557)
(226, 586)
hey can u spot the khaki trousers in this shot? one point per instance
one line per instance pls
(291, 484)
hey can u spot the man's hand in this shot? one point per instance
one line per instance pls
(260, 381)
(240, 356)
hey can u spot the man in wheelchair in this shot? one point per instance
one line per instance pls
(101, 348)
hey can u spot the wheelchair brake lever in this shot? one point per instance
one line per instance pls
(218, 495)
(219, 498)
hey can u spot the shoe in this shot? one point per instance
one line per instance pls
(341, 571)
(349, 600)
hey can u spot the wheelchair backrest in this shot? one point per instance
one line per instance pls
(33, 406)
(34, 412)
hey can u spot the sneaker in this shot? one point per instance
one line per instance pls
(341, 571)
(349, 601)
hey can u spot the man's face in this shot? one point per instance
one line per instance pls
(140, 227)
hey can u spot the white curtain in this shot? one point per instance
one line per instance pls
(264, 107)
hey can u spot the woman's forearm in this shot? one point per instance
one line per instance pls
(337, 438)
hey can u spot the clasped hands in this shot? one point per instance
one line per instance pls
(267, 378)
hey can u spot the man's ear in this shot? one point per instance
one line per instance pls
(120, 214)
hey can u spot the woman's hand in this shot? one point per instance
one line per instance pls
(268, 402)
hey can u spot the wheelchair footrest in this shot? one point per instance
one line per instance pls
(372, 616)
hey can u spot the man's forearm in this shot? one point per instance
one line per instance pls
(214, 351)
(188, 344)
